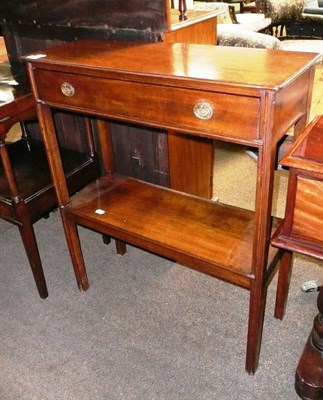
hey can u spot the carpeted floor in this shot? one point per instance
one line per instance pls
(146, 329)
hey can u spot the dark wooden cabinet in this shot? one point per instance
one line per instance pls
(33, 25)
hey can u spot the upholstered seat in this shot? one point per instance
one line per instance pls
(246, 38)
(290, 19)
(230, 32)
(256, 22)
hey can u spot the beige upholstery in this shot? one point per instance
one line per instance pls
(291, 18)
(240, 34)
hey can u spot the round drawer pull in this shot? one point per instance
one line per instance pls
(203, 110)
(67, 89)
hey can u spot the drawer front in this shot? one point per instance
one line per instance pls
(308, 212)
(211, 114)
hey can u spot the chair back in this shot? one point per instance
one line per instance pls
(281, 10)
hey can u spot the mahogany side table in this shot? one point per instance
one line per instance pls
(302, 232)
(205, 91)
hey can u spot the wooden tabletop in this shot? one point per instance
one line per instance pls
(193, 17)
(202, 65)
(307, 151)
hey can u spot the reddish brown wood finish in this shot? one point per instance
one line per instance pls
(231, 244)
(199, 28)
(302, 232)
(20, 107)
(302, 228)
(26, 190)
(185, 154)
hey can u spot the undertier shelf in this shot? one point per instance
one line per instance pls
(210, 237)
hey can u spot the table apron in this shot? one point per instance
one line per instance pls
(233, 116)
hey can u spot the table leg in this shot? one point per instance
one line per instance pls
(258, 290)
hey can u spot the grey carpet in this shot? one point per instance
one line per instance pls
(147, 329)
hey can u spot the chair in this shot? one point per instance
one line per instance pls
(256, 22)
(26, 190)
(290, 19)
(240, 30)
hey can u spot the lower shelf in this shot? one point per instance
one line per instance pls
(211, 237)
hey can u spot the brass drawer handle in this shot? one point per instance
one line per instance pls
(67, 89)
(203, 110)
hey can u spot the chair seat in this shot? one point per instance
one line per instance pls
(238, 37)
(29, 161)
(255, 22)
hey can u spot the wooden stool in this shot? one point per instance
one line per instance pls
(302, 232)
(26, 189)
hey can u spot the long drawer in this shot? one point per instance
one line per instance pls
(210, 113)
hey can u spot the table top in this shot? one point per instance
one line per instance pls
(193, 16)
(179, 65)
(307, 151)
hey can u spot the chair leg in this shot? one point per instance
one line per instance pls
(256, 321)
(74, 245)
(29, 241)
(284, 275)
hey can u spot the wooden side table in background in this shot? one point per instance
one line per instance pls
(302, 232)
